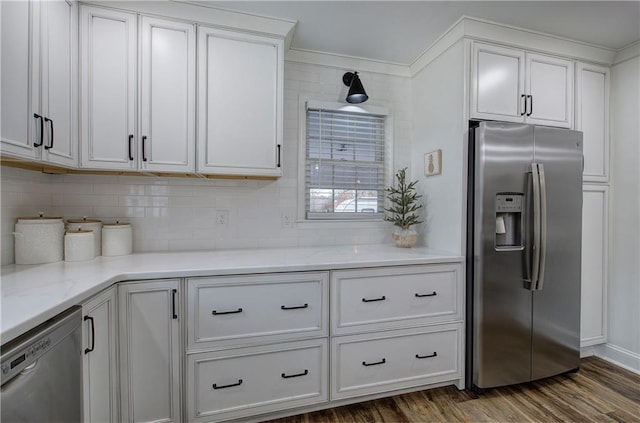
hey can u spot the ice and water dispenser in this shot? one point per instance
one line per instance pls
(509, 224)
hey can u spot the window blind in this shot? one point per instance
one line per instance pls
(345, 164)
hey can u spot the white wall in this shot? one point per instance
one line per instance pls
(624, 284)
(438, 110)
(171, 214)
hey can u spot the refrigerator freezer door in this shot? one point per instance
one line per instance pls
(556, 306)
(502, 304)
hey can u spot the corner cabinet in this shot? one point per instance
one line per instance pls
(39, 79)
(518, 86)
(99, 359)
(150, 351)
(161, 138)
(240, 89)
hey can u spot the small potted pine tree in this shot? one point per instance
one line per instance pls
(402, 212)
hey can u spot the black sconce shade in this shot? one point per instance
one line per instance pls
(356, 93)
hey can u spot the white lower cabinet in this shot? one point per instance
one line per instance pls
(385, 361)
(99, 359)
(150, 351)
(394, 297)
(237, 383)
(242, 310)
(258, 346)
(595, 227)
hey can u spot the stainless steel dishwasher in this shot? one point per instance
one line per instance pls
(42, 372)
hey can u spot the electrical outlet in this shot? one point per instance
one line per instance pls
(286, 220)
(222, 218)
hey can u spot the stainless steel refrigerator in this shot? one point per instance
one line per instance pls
(523, 253)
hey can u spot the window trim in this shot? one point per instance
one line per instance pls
(305, 102)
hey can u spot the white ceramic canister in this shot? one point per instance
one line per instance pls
(94, 225)
(79, 245)
(117, 239)
(38, 240)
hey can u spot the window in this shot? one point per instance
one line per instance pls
(344, 163)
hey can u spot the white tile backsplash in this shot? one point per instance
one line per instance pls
(171, 214)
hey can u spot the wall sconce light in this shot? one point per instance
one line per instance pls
(356, 90)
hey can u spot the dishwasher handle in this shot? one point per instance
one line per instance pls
(93, 335)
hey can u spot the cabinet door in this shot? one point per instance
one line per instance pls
(167, 102)
(550, 85)
(18, 124)
(593, 321)
(240, 103)
(99, 340)
(150, 351)
(592, 118)
(497, 83)
(108, 88)
(59, 23)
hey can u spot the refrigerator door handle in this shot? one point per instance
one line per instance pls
(543, 226)
(535, 268)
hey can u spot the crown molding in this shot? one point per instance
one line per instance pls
(628, 52)
(346, 62)
(201, 13)
(495, 32)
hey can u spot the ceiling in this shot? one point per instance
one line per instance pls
(399, 31)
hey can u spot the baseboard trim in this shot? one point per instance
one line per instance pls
(619, 356)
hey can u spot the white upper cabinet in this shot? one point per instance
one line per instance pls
(39, 77)
(549, 86)
(167, 102)
(59, 75)
(497, 83)
(592, 118)
(240, 79)
(516, 86)
(108, 88)
(18, 137)
(162, 137)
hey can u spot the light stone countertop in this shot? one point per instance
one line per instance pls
(35, 293)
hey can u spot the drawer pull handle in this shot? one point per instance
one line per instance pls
(433, 294)
(294, 307)
(306, 372)
(217, 313)
(215, 386)
(435, 354)
(364, 300)
(384, 360)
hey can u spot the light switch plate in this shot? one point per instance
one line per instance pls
(433, 163)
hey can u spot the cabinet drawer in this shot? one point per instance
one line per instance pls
(395, 297)
(240, 310)
(246, 381)
(368, 364)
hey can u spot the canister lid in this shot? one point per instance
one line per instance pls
(78, 231)
(116, 225)
(84, 219)
(39, 219)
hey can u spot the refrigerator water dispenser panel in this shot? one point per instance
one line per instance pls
(509, 214)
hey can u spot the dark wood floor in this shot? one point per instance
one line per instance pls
(599, 392)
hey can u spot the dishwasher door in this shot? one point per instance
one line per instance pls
(42, 373)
